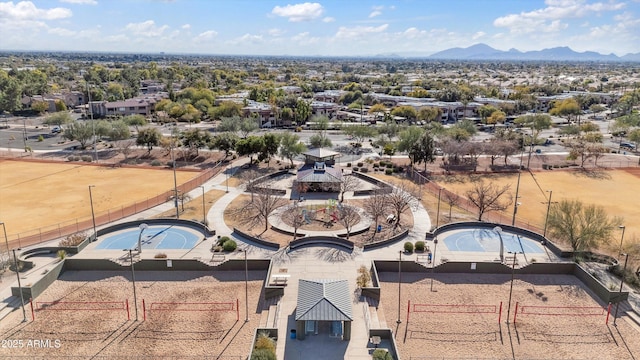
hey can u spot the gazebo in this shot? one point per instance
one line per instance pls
(324, 302)
(318, 173)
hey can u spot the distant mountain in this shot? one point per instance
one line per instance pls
(486, 52)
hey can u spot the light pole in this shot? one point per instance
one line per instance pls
(93, 214)
(204, 213)
(6, 240)
(15, 263)
(515, 204)
(433, 261)
(438, 211)
(246, 286)
(621, 239)
(399, 282)
(227, 173)
(24, 133)
(546, 219)
(133, 279)
(498, 230)
(175, 180)
(615, 316)
(142, 228)
(513, 269)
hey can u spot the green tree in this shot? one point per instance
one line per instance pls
(149, 137)
(407, 139)
(583, 227)
(119, 131)
(39, 106)
(405, 111)
(60, 105)
(135, 120)
(247, 126)
(229, 124)
(303, 111)
(80, 131)
(195, 139)
(535, 122)
(10, 93)
(290, 146)
(225, 109)
(270, 144)
(429, 113)
(58, 119)
(360, 133)
(249, 146)
(423, 150)
(114, 92)
(224, 142)
(320, 139)
(567, 107)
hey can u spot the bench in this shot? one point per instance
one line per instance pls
(280, 279)
(218, 258)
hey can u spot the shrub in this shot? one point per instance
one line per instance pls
(364, 170)
(62, 254)
(87, 158)
(264, 341)
(73, 239)
(216, 248)
(420, 246)
(160, 256)
(389, 165)
(383, 163)
(72, 158)
(40, 138)
(376, 165)
(170, 164)
(156, 163)
(229, 245)
(408, 247)
(348, 164)
(222, 240)
(263, 354)
(381, 354)
(355, 168)
(388, 171)
(364, 278)
(360, 164)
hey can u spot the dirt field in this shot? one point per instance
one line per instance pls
(618, 191)
(476, 333)
(39, 195)
(165, 332)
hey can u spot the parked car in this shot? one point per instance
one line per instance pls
(627, 145)
(56, 130)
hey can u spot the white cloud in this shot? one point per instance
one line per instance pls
(26, 10)
(550, 18)
(206, 36)
(147, 28)
(186, 26)
(61, 32)
(478, 35)
(358, 31)
(276, 32)
(413, 33)
(328, 19)
(376, 11)
(80, 2)
(246, 38)
(299, 12)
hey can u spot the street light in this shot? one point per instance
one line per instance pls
(544, 233)
(498, 230)
(438, 211)
(6, 240)
(175, 180)
(615, 316)
(433, 261)
(226, 171)
(15, 263)
(399, 282)
(246, 286)
(621, 239)
(204, 214)
(515, 205)
(93, 215)
(142, 228)
(133, 279)
(513, 269)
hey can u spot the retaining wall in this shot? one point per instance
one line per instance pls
(262, 242)
(328, 240)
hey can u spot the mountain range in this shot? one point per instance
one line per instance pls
(486, 52)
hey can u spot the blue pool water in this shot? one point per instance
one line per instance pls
(487, 240)
(154, 237)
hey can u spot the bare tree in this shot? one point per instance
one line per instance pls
(126, 147)
(348, 183)
(376, 205)
(263, 203)
(489, 197)
(451, 199)
(348, 217)
(294, 217)
(403, 196)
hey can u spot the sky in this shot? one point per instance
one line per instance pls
(322, 28)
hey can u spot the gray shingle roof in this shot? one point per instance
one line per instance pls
(324, 300)
(321, 153)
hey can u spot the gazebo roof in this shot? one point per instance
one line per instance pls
(324, 300)
(321, 153)
(310, 174)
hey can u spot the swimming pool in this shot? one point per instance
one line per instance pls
(487, 240)
(154, 237)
